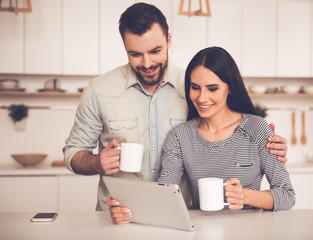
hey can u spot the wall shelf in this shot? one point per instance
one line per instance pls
(280, 95)
(38, 94)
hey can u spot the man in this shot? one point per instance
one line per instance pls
(138, 102)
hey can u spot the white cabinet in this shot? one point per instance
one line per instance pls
(28, 194)
(81, 37)
(48, 193)
(302, 183)
(225, 27)
(259, 38)
(78, 193)
(294, 39)
(43, 38)
(112, 52)
(188, 36)
(11, 43)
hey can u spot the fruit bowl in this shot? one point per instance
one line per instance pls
(29, 159)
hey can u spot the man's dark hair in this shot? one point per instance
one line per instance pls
(139, 18)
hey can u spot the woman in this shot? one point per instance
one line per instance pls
(224, 138)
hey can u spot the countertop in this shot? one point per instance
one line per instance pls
(42, 170)
(18, 170)
(220, 225)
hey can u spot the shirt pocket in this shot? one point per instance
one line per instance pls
(125, 130)
(175, 122)
(246, 171)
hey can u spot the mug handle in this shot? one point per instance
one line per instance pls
(225, 204)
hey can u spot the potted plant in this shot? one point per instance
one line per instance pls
(18, 114)
(260, 111)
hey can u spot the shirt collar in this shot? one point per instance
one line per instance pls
(171, 76)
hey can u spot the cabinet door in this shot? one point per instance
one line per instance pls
(81, 37)
(304, 192)
(259, 38)
(113, 53)
(225, 27)
(43, 39)
(188, 36)
(11, 43)
(28, 194)
(78, 193)
(294, 34)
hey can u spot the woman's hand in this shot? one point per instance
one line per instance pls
(234, 194)
(119, 215)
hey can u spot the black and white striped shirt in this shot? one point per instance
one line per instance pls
(243, 156)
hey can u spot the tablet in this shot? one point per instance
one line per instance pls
(151, 202)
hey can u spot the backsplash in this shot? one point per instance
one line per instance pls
(47, 129)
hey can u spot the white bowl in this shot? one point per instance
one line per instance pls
(29, 159)
(291, 89)
(8, 83)
(258, 88)
(308, 89)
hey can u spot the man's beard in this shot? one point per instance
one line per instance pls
(150, 81)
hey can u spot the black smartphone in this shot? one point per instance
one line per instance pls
(44, 217)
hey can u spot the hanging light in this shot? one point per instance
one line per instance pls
(13, 7)
(198, 12)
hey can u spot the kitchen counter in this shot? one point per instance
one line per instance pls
(220, 225)
(46, 170)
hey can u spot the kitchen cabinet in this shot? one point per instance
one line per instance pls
(225, 27)
(188, 36)
(28, 193)
(48, 193)
(112, 51)
(304, 192)
(11, 43)
(294, 39)
(78, 193)
(80, 37)
(43, 38)
(259, 38)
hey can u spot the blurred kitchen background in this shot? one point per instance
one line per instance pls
(73, 41)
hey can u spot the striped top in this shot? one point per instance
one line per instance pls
(243, 155)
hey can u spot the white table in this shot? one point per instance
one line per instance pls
(226, 224)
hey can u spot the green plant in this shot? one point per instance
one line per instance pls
(260, 111)
(18, 112)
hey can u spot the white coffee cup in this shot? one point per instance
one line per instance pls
(211, 194)
(131, 157)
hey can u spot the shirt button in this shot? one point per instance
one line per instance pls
(130, 127)
(153, 149)
(153, 102)
(153, 171)
(153, 125)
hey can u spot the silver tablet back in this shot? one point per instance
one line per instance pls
(151, 202)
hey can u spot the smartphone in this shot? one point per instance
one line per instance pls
(44, 217)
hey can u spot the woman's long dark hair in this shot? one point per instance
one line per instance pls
(219, 61)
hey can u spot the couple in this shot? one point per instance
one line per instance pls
(155, 87)
(222, 138)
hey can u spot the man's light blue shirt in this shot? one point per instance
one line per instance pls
(116, 106)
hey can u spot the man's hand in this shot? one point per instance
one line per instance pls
(119, 215)
(277, 146)
(110, 158)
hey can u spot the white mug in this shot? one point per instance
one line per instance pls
(211, 194)
(131, 157)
